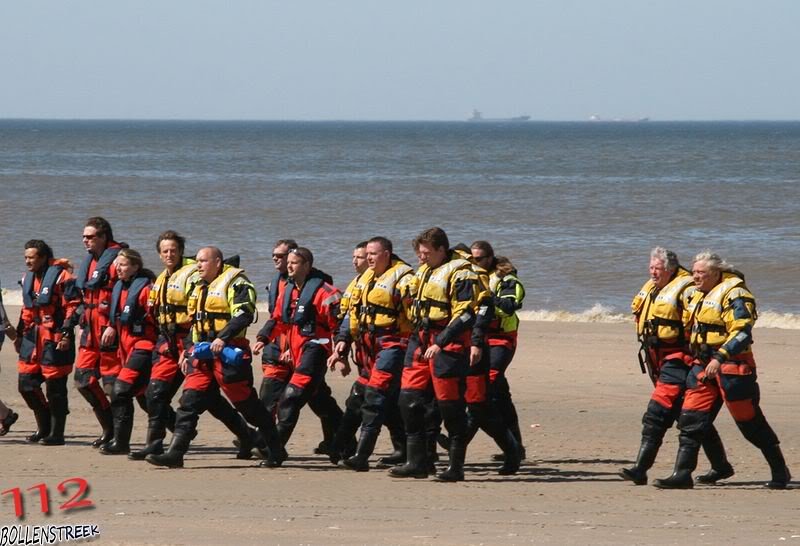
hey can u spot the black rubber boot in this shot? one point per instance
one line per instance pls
(432, 453)
(506, 441)
(42, 414)
(343, 444)
(488, 418)
(681, 477)
(398, 455)
(173, 457)
(10, 418)
(249, 440)
(266, 438)
(457, 453)
(154, 442)
(106, 420)
(276, 453)
(416, 466)
(715, 451)
(644, 461)
(366, 445)
(777, 464)
(43, 424)
(58, 420)
(123, 426)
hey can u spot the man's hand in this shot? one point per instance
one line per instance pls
(217, 345)
(183, 363)
(431, 352)
(286, 356)
(257, 346)
(712, 368)
(332, 360)
(63, 344)
(108, 337)
(475, 354)
(337, 355)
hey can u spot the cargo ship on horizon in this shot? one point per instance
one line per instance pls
(477, 116)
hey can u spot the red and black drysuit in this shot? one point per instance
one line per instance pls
(444, 376)
(207, 377)
(49, 301)
(97, 367)
(307, 318)
(277, 373)
(136, 338)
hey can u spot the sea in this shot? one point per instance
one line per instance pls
(575, 206)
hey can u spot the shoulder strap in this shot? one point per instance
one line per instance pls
(48, 283)
(131, 302)
(274, 288)
(304, 311)
(83, 271)
(100, 276)
(27, 290)
(115, 295)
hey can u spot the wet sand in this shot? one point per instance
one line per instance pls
(580, 396)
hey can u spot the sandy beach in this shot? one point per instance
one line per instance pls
(580, 396)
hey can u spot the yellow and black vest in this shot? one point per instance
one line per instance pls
(208, 305)
(170, 296)
(377, 309)
(659, 313)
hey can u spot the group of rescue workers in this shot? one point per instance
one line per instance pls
(696, 335)
(430, 347)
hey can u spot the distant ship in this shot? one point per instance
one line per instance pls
(477, 116)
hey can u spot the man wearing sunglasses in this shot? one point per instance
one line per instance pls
(97, 366)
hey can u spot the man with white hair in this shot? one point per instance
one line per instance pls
(659, 309)
(723, 312)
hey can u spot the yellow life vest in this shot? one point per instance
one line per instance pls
(709, 310)
(659, 313)
(377, 307)
(483, 285)
(352, 295)
(170, 295)
(508, 322)
(433, 302)
(216, 311)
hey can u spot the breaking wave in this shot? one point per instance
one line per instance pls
(597, 313)
(604, 314)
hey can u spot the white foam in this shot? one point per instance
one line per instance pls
(603, 314)
(597, 313)
(12, 297)
(772, 319)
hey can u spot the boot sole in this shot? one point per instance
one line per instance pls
(164, 465)
(356, 468)
(415, 476)
(661, 485)
(703, 480)
(449, 480)
(625, 475)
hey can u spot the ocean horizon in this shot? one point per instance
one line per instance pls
(576, 205)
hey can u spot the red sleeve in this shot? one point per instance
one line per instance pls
(328, 306)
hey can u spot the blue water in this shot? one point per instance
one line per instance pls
(576, 206)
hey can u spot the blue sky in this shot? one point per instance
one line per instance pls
(373, 60)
